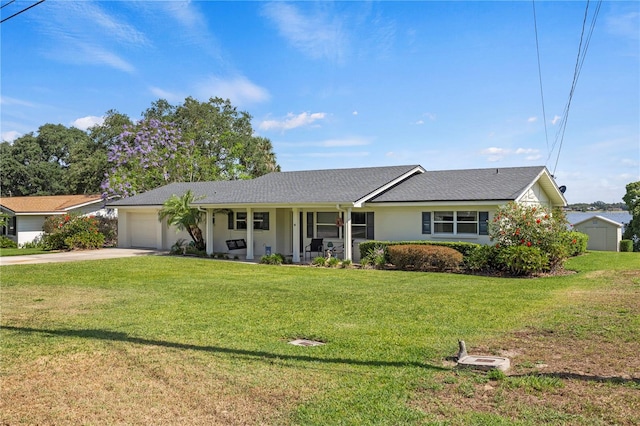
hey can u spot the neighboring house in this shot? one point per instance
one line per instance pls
(27, 214)
(604, 234)
(283, 211)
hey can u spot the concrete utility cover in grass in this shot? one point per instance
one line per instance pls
(485, 362)
(305, 342)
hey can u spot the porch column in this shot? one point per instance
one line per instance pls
(249, 233)
(209, 231)
(348, 250)
(296, 235)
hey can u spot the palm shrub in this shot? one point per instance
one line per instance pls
(376, 257)
(179, 213)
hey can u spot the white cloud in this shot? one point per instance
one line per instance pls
(5, 100)
(420, 122)
(624, 25)
(164, 94)
(239, 90)
(316, 35)
(340, 154)
(85, 33)
(555, 120)
(494, 154)
(85, 122)
(10, 136)
(532, 119)
(333, 143)
(355, 113)
(292, 121)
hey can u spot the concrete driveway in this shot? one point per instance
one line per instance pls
(71, 256)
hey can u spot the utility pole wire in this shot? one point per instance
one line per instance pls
(23, 10)
(576, 74)
(6, 4)
(544, 114)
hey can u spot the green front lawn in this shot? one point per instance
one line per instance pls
(171, 340)
(21, 251)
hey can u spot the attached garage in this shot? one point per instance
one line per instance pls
(604, 234)
(143, 229)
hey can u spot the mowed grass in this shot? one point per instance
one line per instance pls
(170, 340)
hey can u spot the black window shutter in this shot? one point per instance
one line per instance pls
(370, 226)
(483, 223)
(426, 222)
(265, 221)
(309, 224)
(230, 217)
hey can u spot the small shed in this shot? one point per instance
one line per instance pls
(604, 234)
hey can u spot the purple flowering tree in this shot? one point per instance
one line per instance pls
(148, 155)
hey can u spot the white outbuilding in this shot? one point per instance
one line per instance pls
(604, 234)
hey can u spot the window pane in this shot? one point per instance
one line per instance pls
(443, 228)
(327, 217)
(467, 216)
(467, 228)
(443, 216)
(359, 232)
(327, 231)
(358, 218)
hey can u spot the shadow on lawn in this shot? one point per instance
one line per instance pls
(124, 337)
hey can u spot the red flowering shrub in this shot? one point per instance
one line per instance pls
(70, 232)
(534, 227)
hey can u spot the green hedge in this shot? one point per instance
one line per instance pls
(626, 245)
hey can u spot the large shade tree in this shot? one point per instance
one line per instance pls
(223, 137)
(55, 160)
(632, 200)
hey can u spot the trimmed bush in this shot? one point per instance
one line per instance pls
(576, 242)
(522, 260)
(626, 245)
(367, 247)
(482, 259)
(424, 257)
(7, 242)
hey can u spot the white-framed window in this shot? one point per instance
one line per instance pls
(326, 225)
(260, 220)
(455, 222)
(362, 225)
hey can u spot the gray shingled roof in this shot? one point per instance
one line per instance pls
(463, 185)
(314, 186)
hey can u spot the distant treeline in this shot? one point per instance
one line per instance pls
(597, 205)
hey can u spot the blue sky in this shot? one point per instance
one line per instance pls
(447, 85)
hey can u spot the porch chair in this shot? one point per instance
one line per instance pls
(316, 246)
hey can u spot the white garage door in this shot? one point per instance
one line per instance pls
(143, 229)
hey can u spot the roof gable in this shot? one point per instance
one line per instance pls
(48, 203)
(500, 184)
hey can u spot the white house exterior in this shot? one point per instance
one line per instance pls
(604, 234)
(27, 214)
(341, 206)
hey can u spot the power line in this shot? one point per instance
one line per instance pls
(582, 51)
(544, 114)
(6, 4)
(23, 10)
